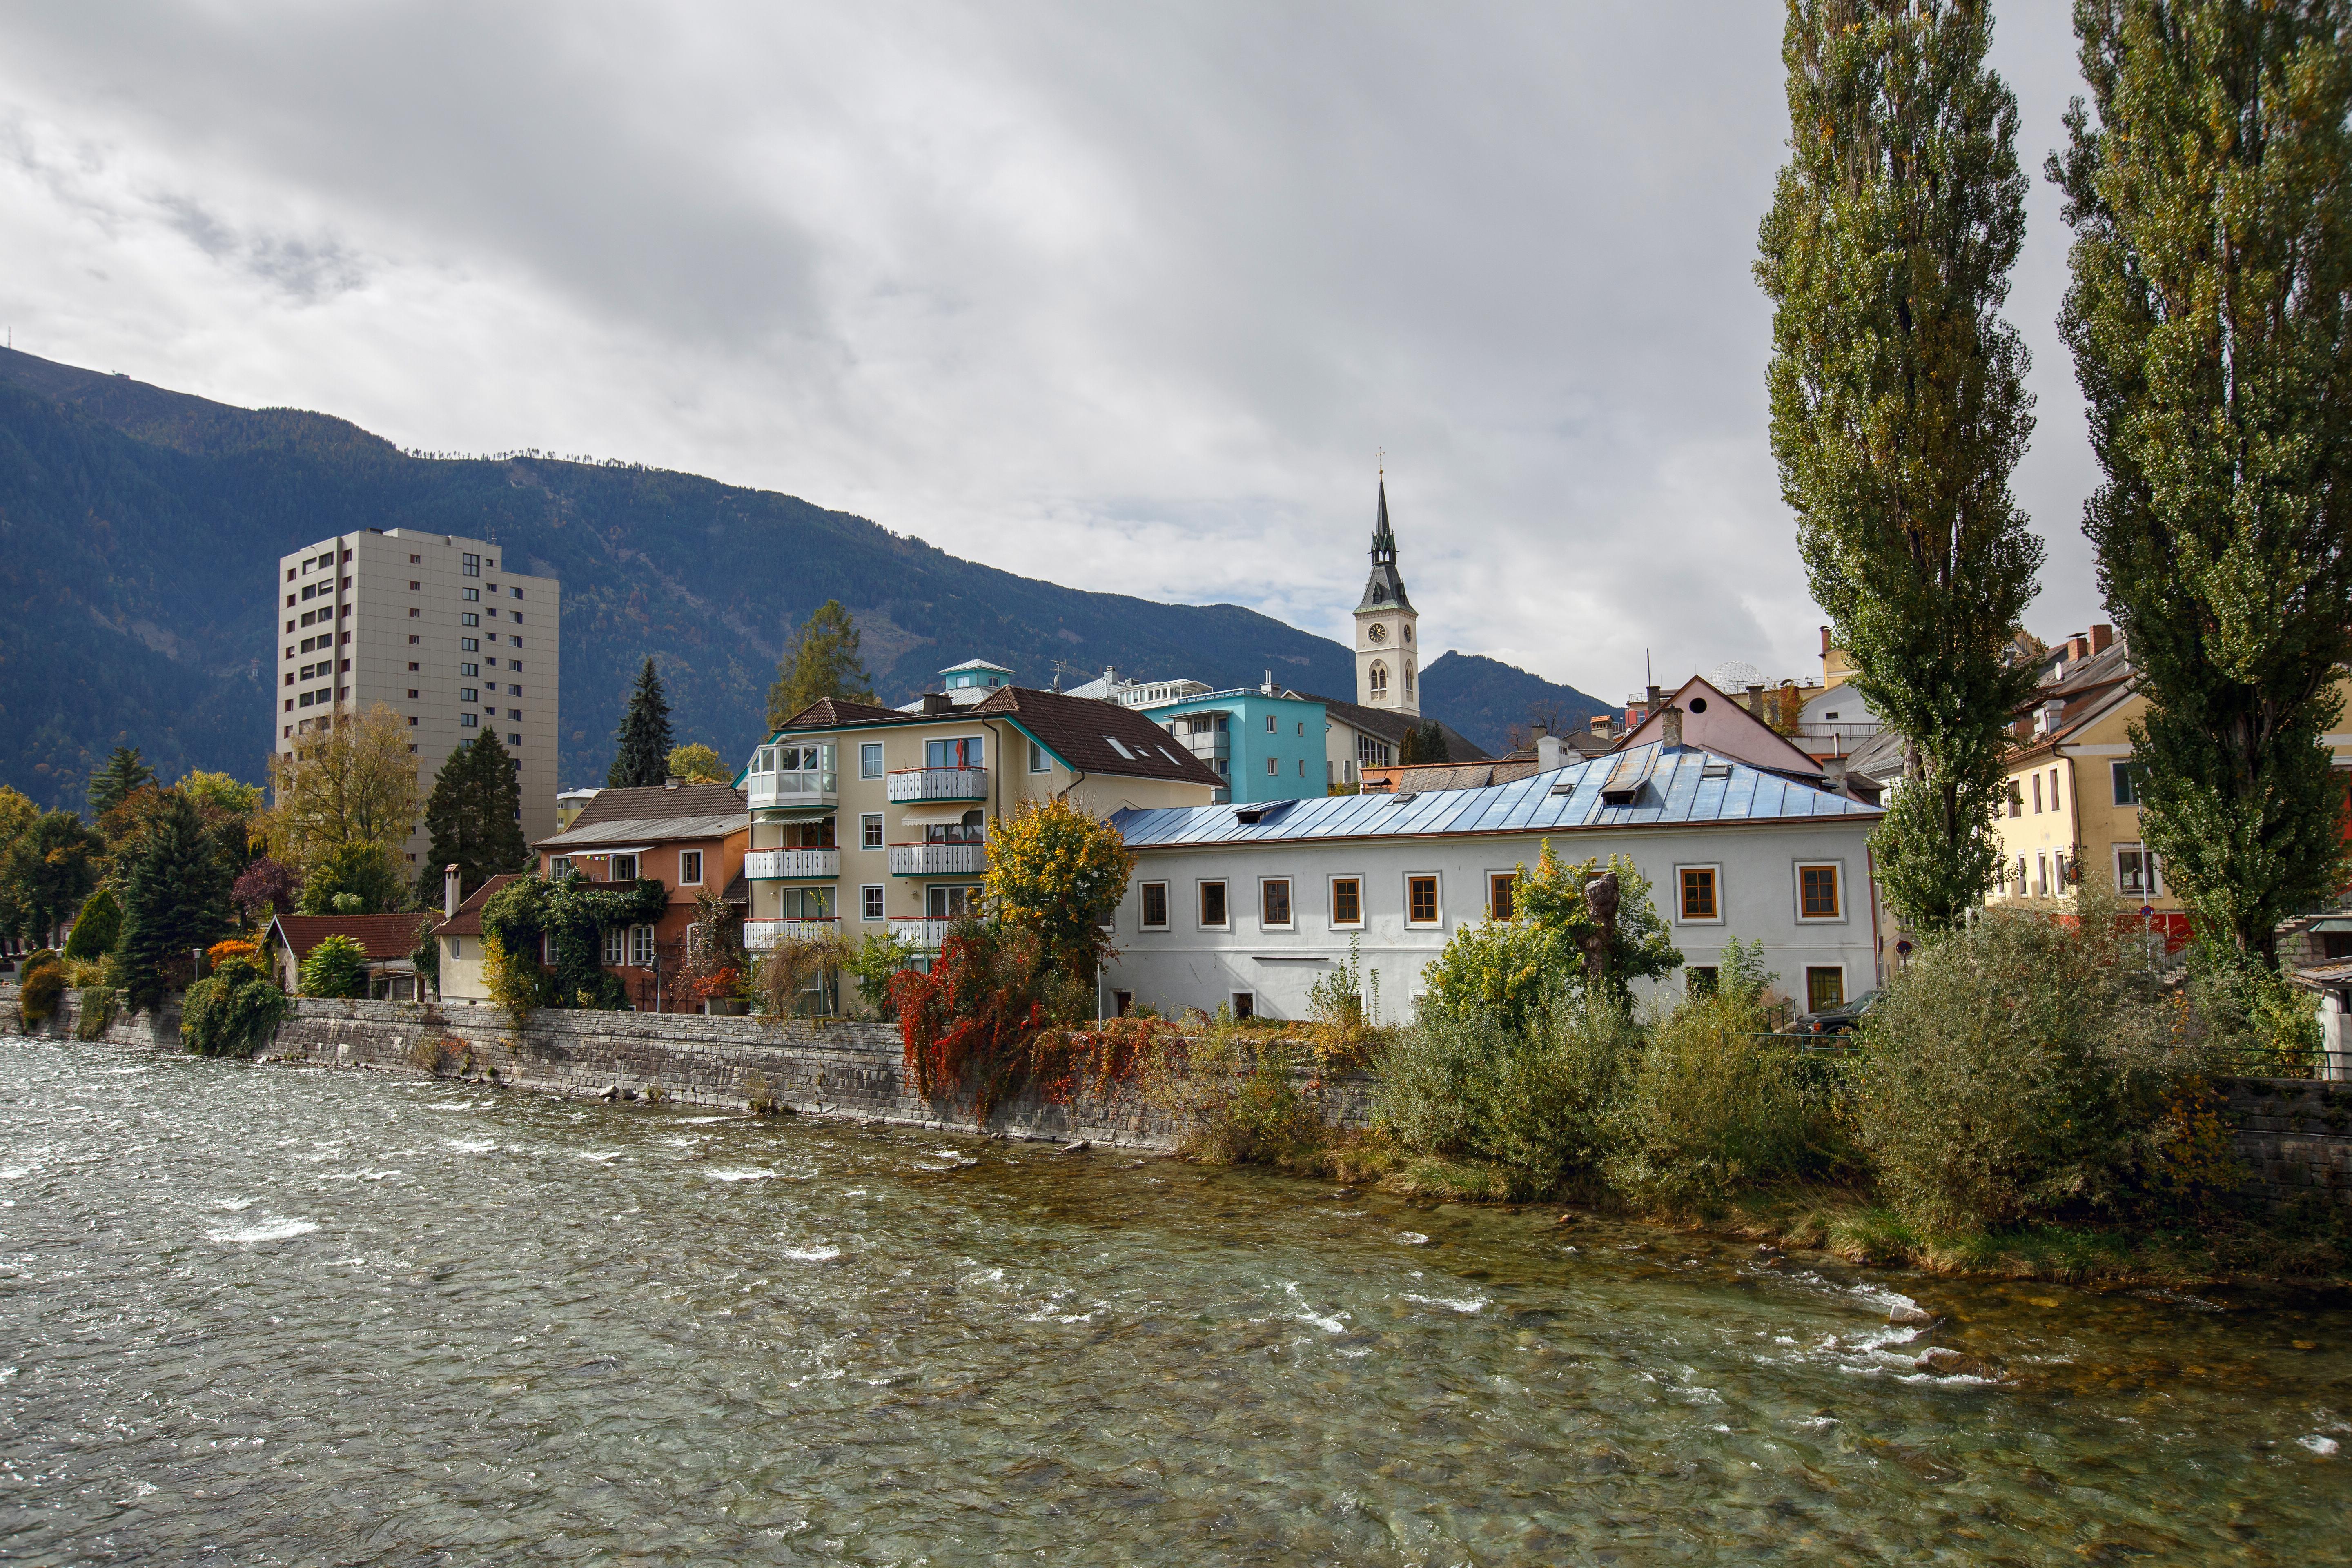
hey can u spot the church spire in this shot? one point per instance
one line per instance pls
(1385, 587)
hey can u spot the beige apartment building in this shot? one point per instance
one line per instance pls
(867, 819)
(436, 627)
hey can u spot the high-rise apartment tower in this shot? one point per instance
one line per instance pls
(434, 626)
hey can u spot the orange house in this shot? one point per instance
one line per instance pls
(689, 837)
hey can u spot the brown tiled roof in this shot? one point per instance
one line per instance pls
(661, 801)
(1419, 778)
(381, 936)
(1392, 727)
(2089, 689)
(467, 921)
(1080, 730)
(831, 712)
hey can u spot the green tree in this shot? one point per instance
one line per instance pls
(821, 660)
(18, 815)
(353, 781)
(48, 870)
(221, 793)
(696, 764)
(1433, 747)
(1899, 406)
(356, 878)
(473, 818)
(1503, 968)
(336, 967)
(1059, 872)
(642, 759)
(124, 772)
(97, 928)
(2209, 183)
(175, 902)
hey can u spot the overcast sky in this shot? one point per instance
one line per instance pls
(1126, 297)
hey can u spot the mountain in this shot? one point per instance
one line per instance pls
(138, 527)
(1484, 698)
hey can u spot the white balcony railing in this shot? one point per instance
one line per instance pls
(761, 936)
(806, 786)
(785, 865)
(936, 783)
(937, 859)
(926, 934)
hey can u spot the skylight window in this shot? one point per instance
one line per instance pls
(1122, 751)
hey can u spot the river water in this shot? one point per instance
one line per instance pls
(289, 1315)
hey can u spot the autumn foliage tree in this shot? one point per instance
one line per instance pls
(351, 783)
(821, 660)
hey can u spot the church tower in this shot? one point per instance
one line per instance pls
(1387, 660)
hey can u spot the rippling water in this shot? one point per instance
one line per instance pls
(299, 1315)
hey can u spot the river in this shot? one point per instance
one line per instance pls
(293, 1315)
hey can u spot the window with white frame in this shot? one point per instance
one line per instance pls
(869, 902)
(558, 867)
(869, 759)
(617, 946)
(624, 868)
(1039, 761)
(1153, 897)
(1421, 905)
(641, 946)
(1273, 767)
(1274, 903)
(2126, 782)
(689, 867)
(1347, 903)
(869, 830)
(1499, 899)
(1214, 915)
(2136, 876)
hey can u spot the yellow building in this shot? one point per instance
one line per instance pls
(869, 819)
(2072, 809)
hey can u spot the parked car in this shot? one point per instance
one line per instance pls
(1842, 1019)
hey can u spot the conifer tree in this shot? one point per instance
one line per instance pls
(1898, 402)
(473, 818)
(175, 902)
(1433, 747)
(821, 660)
(2209, 183)
(124, 772)
(641, 758)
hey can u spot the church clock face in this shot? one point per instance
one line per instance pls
(1377, 632)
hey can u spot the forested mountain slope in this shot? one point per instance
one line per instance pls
(139, 530)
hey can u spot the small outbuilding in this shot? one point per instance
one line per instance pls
(388, 942)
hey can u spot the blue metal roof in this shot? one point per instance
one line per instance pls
(1681, 786)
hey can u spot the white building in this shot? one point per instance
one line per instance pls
(1247, 906)
(434, 626)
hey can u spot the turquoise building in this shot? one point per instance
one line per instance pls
(1263, 745)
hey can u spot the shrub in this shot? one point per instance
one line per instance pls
(97, 1003)
(97, 927)
(220, 953)
(41, 980)
(1532, 1101)
(800, 978)
(875, 962)
(1715, 1105)
(2258, 1022)
(1505, 967)
(336, 967)
(231, 1011)
(2019, 1067)
(1344, 1004)
(1232, 1103)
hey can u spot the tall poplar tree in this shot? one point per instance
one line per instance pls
(642, 759)
(1898, 403)
(820, 661)
(473, 818)
(2209, 183)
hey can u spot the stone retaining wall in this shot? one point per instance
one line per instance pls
(853, 1072)
(2295, 1136)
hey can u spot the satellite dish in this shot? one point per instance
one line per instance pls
(1732, 674)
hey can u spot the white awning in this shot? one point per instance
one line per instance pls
(596, 853)
(942, 815)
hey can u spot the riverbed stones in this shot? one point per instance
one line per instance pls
(1945, 1362)
(1905, 1313)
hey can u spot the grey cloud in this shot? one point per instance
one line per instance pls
(1123, 297)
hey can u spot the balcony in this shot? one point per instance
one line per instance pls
(764, 936)
(806, 786)
(937, 859)
(909, 785)
(791, 864)
(923, 934)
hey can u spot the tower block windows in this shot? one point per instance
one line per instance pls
(1385, 619)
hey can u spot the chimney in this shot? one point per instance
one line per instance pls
(1603, 725)
(1674, 726)
(1266, 688)
(1655, 698)
(2046, 718)
(450, 898)
(1834, 777)
(1825, 641)
(672, 782)
(2102, 638)
(937, 702)
(1756, 698)
(1551, 755)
